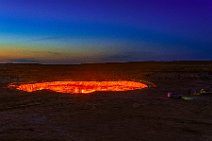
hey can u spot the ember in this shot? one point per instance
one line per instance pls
(80, 86)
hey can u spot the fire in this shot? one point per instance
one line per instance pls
(74, 87)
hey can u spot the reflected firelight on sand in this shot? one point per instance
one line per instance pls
(83, 87)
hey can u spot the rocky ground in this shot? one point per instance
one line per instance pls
(142, 115)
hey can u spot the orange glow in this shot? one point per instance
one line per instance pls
(74, 87)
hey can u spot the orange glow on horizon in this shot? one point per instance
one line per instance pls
(84, 87)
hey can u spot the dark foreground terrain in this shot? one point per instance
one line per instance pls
(142, 115)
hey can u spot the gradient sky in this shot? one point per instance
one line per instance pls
(87, 31)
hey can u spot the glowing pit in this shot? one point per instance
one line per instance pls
(76, 87)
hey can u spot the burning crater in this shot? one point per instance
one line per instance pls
(76, 87)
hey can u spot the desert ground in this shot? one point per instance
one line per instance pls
(140, 115)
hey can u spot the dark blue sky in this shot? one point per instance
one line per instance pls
(80, 31)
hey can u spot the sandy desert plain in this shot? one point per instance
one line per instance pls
(140, 115)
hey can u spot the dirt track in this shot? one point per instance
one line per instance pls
(143, 115)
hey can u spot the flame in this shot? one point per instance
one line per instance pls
(74, 87)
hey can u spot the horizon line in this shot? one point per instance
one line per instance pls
(150, 61)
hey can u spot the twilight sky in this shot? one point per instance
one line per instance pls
(82, 31)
